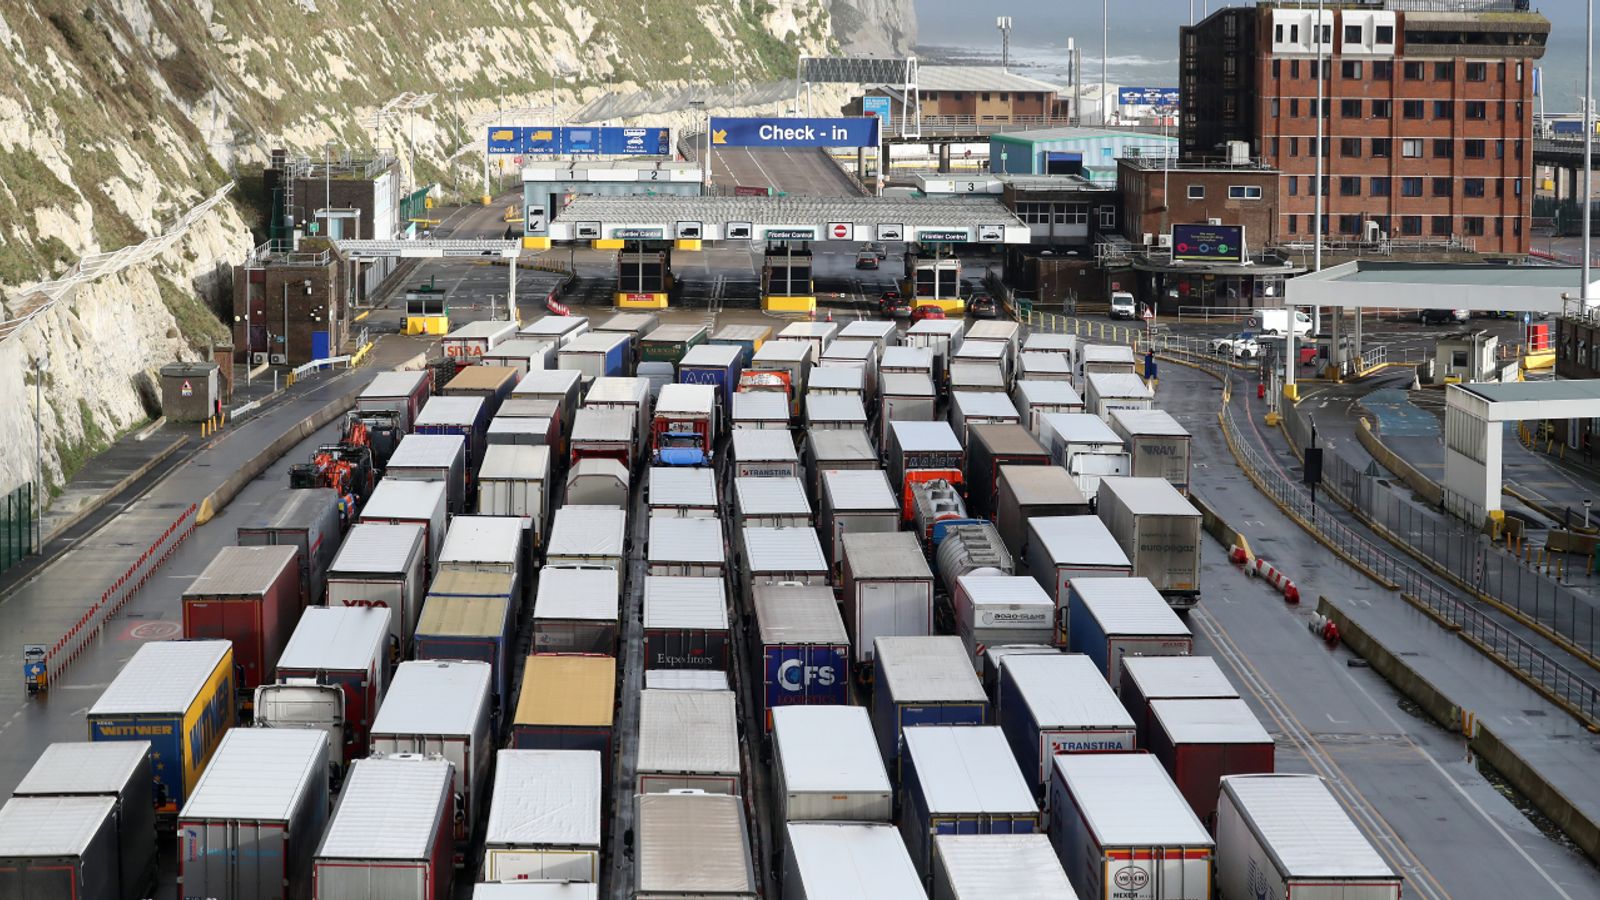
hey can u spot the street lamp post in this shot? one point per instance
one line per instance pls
(705, 159)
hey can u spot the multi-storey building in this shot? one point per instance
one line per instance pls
(1427, 113)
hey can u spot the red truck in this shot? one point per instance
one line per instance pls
(250, 596)
(684, 428)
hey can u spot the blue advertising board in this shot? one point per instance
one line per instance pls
(877, 106)
(1148, 96)
(777, 132)
(1208, 243)
(536, 140)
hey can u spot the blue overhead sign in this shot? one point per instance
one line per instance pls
(774, 132)
(877, 106)
(537, 140)
(1148, 96)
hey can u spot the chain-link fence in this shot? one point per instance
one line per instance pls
(17, 533)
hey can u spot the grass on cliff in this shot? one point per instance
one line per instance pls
(76, 454)
(197, 324)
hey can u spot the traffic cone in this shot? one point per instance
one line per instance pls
(829, 316)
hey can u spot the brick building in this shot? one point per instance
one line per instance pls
(1427, 123)
(289, 306)
(346, 196)
(975, 94)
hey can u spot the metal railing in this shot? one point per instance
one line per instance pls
(17, 520)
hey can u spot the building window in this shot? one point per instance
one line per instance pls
(1382, 109)
(931, 95)
(1350, 147)
(1277, 33)
(1244, 192)
(1327, 36)
(1477, 71)
(1352, 34)
(1499, 188)
(1294, 185)
(1274, 112)
(1411, 148)
(1472, 226)
(1073, 214)
(1378, 187)
(1519, 149)
(1440, 226)
(1034, 213)
(1350, 109)
(1108, 218)
(1351, 68)
(1444, 71)
(1383, 34)
(1349, 186)
(1294, 224)
(1277, 64)
(1411, 187)
(1442, 148)
(1441, 187)
(1475, 109)
(1411, 225)
(1273, 148)
(1349, 224)
(1516, 186)
(1294, 107)
(1472, 149)
(1294, 146)
(1411, 109)
(1197, 192)
(1294, 34)
(1519, 110)
(1380, 148)
(1499, 149)
(1442, 109)
(1325, 179)
(1005, 98)
(1294, 65)
(1414, 71)
(1382, 70)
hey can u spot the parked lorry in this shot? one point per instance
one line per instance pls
(815, 335)
(961, 779)
(118, 771)
(433, 457)
(761, 411)
(467, 417)
(484, 544)
(1062, 548)
(801, 649)
(940, 336)
(772, 555)
(686, 622)
(1054, 703)
(331, 677)
(1115, 359)
(382, 566)
(634, 325)
(179, 697)
(567, 702)
(492, 384)
(688, 740)
(687, 547)
(598, 482)
(1200, 742)
(1112, 618)
(669, 343)
(576, 611)
(978, 866)
(989, 449)
(862, 356)
(603, 434)
(836, 381)
(442, 708)
(1146, 679)
(470, 628)
(854, 502)
(888, 592)
(1106, 392)
(712, 859)
(597, 355)
(826, 767)
(557, 331)
(251, 827)
(904, 398)
(684, 429)
(847, 861)
(307, 520)
(59, 847)
(977, 376)
(907, 360)
(1000, 609)
(1289, 836)
(630, 394)
(1159, 530)
(747, 338)
(402, 502)
(521, 355)
(771, 503)
(976, 355)
(969, 546)
(249, 596)
(559, 385)
(1034, 399)
(1117, 820)
(764, 453)
(882, 332)
(545, 817)
(715, 365)
(400, 392)
(1086, 447)
(589, 537)
(1158, 446)
(515, 481)
(841, 450)
(921, 681)
(920, 452)
(1029, 493)
(688, 492)
(779, 367)
(465, 344)
(410, 857)
(1037, 366)
(835, 413)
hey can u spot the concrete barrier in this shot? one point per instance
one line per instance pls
(1215, 526)
(1426, 487)
(1580, 828)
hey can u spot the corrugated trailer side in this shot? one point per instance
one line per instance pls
(390, 836)
(59, 848)
(249, 596)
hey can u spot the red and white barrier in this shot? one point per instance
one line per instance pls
(1255, 565)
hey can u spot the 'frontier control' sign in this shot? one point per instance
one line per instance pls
(774, 132)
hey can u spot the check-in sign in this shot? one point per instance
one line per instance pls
(774, 132)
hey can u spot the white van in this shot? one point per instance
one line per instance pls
(1123, 306)
(1276, 321)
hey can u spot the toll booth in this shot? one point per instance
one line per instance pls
(644, 276)
(786, 284)
(427, 310)
(933, 277)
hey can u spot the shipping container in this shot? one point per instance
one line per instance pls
(121, 772)
(1035, 366)
(1032, 492)
(1111, 359)
(1049, 342)
(686, 680)
(1061, 548)
(603, 434)
(748, 338)
(410, 856)
(835, 413)
(993, 667)
(761, 411)
(1059, 703)
(492, 384)
(1289, 836)
(521, 355)
(307, 520)
(686, 547)
(576, 611)
(1034, 399)
(1149, 678)
(402, 502)
(854, 502)
(347, 649)
(669, 343)
(685, 426)
(471, 628)
(779, 367)
(465, 344)
(716, 365)
(907, 360)
(686, 623)
(1000, 609)
(178, 696)
(837, 381)
(688, 740)
(975, 355)
(1085, 446)
(997, 867)
(597, 355)
(771, 555)
(1202, 741)
(989, 449)
(826, 768)
(859, 355)
(943, 338)
(771, 503)
(882, 332)
(442, 708)
(1110, 618)
(843, 450)
(544, 819)
(1116, 820)
(840, 861)
(515, 481)
(764, 453)
(402, 393)
(566, 703)
(433, 457)
(888, 592)
(802, 651)
(921, 681)
(978, 377)
(59, 848)
(589, 537)
(1157, 444)
(692, 845)
(464, 416)
(970, 408)
(905, 398)
(1104, 392)
(382, 566)
(556, 331)
(251, 827)
(631, 394)
(688, 492)
(818, 335)
(1159, 529)
(251, 597)
(960, 780)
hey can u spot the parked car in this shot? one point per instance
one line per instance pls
(1224, 346)
(893, 306)
(866, 259)
(982, 305)
(926, 311)
(875, 249)
(1444, 316)
(1123, 306)
(1245, 346)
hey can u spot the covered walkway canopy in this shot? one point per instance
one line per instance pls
(1473, 417)
(981, 220)
(1481, 287)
